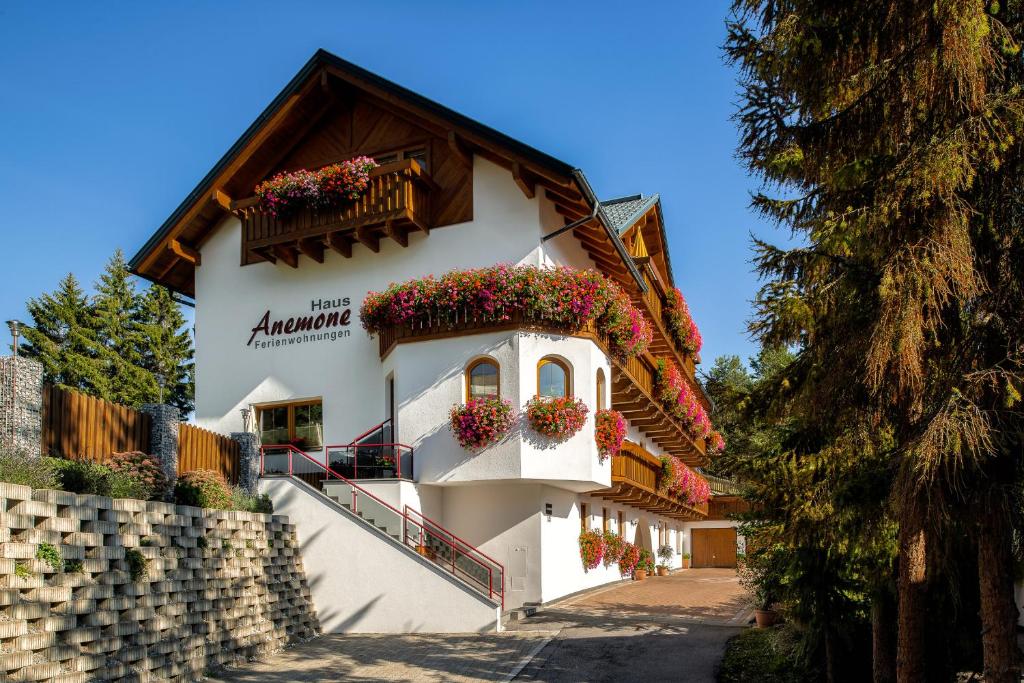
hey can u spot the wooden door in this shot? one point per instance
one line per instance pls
(714, 547)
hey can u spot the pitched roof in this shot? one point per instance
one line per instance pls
(625, 211)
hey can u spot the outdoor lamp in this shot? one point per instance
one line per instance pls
(15, 327)
(246, 412)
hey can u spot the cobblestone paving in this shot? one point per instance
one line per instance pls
(442, 657)
(670, 628)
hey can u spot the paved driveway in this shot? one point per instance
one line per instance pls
(669, 628)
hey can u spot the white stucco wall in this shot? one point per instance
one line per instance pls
(362, 583)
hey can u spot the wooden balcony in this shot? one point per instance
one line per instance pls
(397, 202)
(635, 483)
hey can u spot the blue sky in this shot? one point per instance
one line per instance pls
(110, 117)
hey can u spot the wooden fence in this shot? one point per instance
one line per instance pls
(201, 449)
(81, 427)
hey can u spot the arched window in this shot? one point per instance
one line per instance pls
(553, 378)
(599, 384)
(482, 379)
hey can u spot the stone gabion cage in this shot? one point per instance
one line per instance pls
(209, 588)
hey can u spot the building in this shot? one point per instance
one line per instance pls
(278, 328)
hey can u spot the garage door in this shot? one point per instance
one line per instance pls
(714, 547)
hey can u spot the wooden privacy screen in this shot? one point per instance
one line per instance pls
(83, 427)
(80, 427)
(201, 449)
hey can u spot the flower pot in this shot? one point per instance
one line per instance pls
(662, 571)
(639, 574)
(766, 618)
(426, 552)
(686, 563)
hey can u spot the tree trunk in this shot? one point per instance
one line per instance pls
(913, 561)
(883, 638)
(998, 610)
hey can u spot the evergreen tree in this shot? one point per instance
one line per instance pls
(115, 308)
(63, 338)
(892, 134)
(166, 349)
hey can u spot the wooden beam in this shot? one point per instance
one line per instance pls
(185, 252)
(222, 199)
(524, 180)
(368, 239)
(396, 233)
(312, 248)
(459, 149)
(168, 268)
(340, 243)
(287, 254)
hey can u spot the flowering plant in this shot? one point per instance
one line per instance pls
(667, 475)
(646, 561)
(716, 444)
(609, 432)
(327, 186)
(144, 471)
(558, 418)
(591, 549)
(680, 324)
(481, 422)
(614, 545)
(565, 298)
(678, 480)
(679, 399)
(629, 558)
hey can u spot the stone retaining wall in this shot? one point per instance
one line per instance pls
(219, 587)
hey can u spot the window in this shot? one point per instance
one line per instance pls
(583, 517)
(482, 377)
(417, 153)
(604, 520)
(300, 424)
(621, 529)
(599, 383)
(553, 378)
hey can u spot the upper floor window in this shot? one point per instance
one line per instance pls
(553, 378)
(482, 377)
(417, 153)
(601, 391)
(300, 424)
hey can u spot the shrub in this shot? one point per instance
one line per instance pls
(629, 558)
(50, 554)
(609, 432)
(21, 569)
(769, 655)
(203, 488)
(20, 467)
(591, 549)
(144, 471)
(557, 418)
(665, 553)
(614, 546)
(646, 561)
(138, 565)
(81, 476)
(480, 422)
(73, 566)
(248, 502)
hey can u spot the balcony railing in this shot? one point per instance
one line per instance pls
(635, 482)
(397, 201)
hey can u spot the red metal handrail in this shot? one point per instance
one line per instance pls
(399, 447)
(407, 519)
(371, 430)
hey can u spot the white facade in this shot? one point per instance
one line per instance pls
(496, 499)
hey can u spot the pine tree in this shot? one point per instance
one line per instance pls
(63, 338)
(115, 309)
(166, 349)
(892, 134)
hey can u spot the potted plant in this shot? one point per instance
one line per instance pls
(762, 577)
(426, 551)
(665, 554)
(645, 566)
(686, 560)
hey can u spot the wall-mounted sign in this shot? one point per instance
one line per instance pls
(328, 320)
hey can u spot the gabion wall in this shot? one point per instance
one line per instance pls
(21, 404)
(209, 588)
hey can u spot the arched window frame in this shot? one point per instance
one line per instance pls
(564, 365)
(601, 388)
(477, 362)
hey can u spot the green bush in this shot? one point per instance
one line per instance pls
(138, 565)
(203, 488)
(21, 570)
(765, 655)
(143, 471)
(19, 467)
(247, 502)
(73, 566)
(50, 554)
(81, 476)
